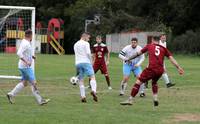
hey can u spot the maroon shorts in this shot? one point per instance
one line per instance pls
(149, 74)
(102, 66)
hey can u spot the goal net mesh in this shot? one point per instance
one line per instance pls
(13, 23)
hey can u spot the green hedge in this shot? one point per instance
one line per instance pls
(188, 43)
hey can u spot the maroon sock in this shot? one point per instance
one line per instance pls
(107, 80)
(154, 88)
(135, 90)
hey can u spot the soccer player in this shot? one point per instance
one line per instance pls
(165, 76)
(26, 56)
(83, 61)
(131, 66)
(101, 57)
(154, 70)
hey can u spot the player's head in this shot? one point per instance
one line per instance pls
(85, 36)
(28, 34)
(163, 37)
(134, 42)
(98, 39)
(155, 39)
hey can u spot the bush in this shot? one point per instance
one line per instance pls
(188, 43)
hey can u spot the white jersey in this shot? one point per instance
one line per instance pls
(25, 51)
(128, 51)
(163, 44)
(82, 52)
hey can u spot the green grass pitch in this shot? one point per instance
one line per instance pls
(178, 105)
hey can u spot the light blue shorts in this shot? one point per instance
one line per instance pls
(128, 68)
(27, 74)
(84, 69)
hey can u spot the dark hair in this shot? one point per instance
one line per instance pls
(134, 39)
(28, 33)
(156, 38)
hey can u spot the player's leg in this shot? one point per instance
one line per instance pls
(16, 90)
(155, 89)
(18, 87)
(104, 71)
(80, 69)
(145, 76)
(90, 72)
(35, 91)
(155, 93)
(137, 71)
(134, 92)
(126, 74)
(166, 79)
(93, 87)
(108, 81)
(96, 67)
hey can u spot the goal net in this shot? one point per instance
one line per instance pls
(14, 20)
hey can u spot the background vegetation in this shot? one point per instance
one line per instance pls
(179, 18)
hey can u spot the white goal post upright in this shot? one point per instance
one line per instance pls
(18, 9)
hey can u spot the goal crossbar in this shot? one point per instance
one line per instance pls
(17, 7)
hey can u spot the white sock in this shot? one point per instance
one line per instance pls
(165, 78)
(155, 97)
(141, 90)
(93, 85)
(123, 87)
(36, 94)
(17, 89)
(130, 98)
(82, 90)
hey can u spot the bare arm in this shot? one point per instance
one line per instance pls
(135, 55)
(140, 61)
(107, 58)
(26, 62)
(175, 63)
(93, 57)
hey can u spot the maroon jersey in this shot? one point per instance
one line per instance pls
(100, 50)
(156, 55)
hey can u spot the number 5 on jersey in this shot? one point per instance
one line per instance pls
(157, 51)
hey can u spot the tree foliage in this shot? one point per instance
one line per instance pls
(172, 16)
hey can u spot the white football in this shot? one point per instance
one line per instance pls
(74, 80)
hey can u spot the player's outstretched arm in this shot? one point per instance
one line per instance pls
(135, 55)
(141, 59)
(175, 63)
